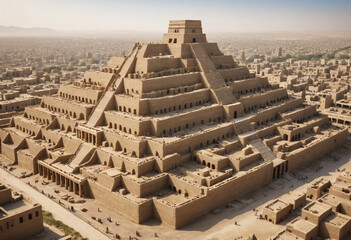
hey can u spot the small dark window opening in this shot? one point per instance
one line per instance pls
(194, 40)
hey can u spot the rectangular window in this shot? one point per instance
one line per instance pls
(37, 214)
(30, 216)
(21, 219)
(175, 40)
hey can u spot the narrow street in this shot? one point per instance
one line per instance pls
(59, 212)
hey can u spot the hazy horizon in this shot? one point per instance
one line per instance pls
(153, 15)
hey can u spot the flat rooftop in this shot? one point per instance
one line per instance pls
(302, 225)
(331, 200)
(288, 236)
(337, 219)
(22, 97)
(277, 205)
(16, 207)
(317, 208)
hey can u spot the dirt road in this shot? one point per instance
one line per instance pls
(59, 212)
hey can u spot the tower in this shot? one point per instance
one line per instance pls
(278, 52)
(184, 31)
(242, 55)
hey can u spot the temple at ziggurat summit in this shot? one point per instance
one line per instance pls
(171, 131)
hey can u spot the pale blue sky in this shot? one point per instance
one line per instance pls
(153, 15)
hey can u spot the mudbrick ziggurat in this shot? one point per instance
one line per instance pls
(171, 131)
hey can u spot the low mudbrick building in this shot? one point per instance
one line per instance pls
(20, 217)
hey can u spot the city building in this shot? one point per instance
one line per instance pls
(20, 218)
(328, 217)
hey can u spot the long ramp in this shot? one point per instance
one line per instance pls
(212, 78)
(106, 100)
(82, 155)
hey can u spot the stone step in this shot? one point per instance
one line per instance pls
(266, 153)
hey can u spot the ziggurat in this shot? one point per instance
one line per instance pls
(171, 131)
